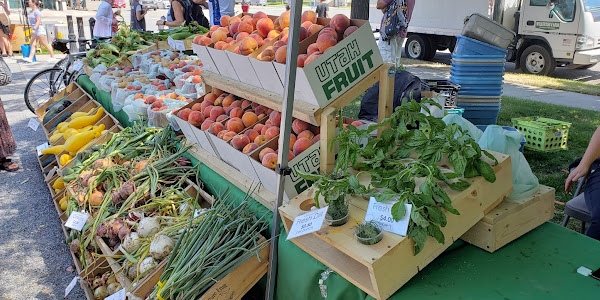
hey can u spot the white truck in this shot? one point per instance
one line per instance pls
(550, 33)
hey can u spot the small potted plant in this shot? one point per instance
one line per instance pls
(368, 233)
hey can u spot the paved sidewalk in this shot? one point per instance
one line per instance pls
(524, 92)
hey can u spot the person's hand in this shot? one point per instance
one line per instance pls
(159, 23)
(115, 22)
(577, 173)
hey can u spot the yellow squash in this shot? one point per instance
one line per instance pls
(69, 133)
(55, 137)
(77, 141)
(54, 150)
(82, 122)
(64, 159)
(78, 114)
(59, 183)
(62, 126)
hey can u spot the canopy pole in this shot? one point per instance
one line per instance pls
(284, 144)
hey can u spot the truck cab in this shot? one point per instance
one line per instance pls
(550, 33)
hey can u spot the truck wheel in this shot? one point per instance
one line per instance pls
(537, 60)
(417, 47)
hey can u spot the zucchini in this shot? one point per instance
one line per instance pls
(54, 109)
(48, 160)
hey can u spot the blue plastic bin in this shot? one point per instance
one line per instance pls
(469, 46)
(523, 141)
(477, 80)
(477, 73)
(457, 67)
(25, 50)
(481, 114)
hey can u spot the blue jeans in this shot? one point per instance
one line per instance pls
(592, 201)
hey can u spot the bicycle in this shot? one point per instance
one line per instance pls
(47, 83)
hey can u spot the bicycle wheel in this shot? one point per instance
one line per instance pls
(61, 63)
(43, 86)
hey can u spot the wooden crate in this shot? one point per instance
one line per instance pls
(381, 269)
(71, 92)
(83, 103)
(511, 219)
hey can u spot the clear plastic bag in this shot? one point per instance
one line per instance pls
(105, 83)
(465, 125)
(136, 110)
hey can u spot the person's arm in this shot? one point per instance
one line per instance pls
(591, 153)
(178, 18)
(38, 20)
(381, 4)
(104, 15)
(140, 13)
(327, 11)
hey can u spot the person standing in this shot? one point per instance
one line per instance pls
(322, 9)
(104, 19)
(391, 49)
(138, 13)
(7, 143)
(177, 12)
(5, 45)
(38, 32)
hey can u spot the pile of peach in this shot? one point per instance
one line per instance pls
(157, 103)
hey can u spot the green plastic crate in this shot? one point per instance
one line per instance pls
(543, 134)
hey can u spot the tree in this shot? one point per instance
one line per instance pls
(359, 9)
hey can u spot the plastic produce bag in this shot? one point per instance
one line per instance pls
(105, 82)
(495, 138)
(136, 110)
(465, 125)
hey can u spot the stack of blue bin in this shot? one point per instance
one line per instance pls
(479, 69)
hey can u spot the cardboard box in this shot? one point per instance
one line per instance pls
(243, 68)
(205, 58)
(222, 63)
(307, 161)
(194, 134)
(338, 69)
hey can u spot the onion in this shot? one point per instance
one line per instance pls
(84, 176)
(116, 198)
(114, 229)
(97, 282)
(147, 264)
(161, 247)
(132, 273)
(135, 215)
(126, 190)
(96, 198)
(140, 166)
(81, 197)
(74, 246)
(100, 164)
(102, 230)
(90, 181)
(113, 288)
(131, 242)
(148, 227)
(123, 232)
(100, 293)
(112, 242)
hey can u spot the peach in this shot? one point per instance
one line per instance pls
(339, 22)
(275, 118)
(221, 118)
(197, 40)
(236, 112)
(207, 110)
(240, 141)
(206, 124)
(349, 30)
(251, 134)
(264, 152)
(325, 42)
(215, 112)
(260, 109)
(214, 28)
(268, 54)
(284, 19)
(184, 114)
(292, 140)
(228, 135)
(307, 134)
(228, 100)
(245, 103)
(196, 118)
(224, 29)
(268, 123)
(196, 79)
(234, 27)
(272, 132)
(264, 26)
(205, 41)
(316, 139)
(247, 18)
(215, 128)
(281, 55)
(330, 31)
(312, 57)
(248, 45)
(306, 25)
(234, 20)
(236, 103)
(219, 101)
(219, 36)
(205, 104)
(273, 34)
(301, 59)
(291, 155)
(220, 134)
(260, 140)
(240, 36)
(249, 148)
(229, 40)
(270, 160)
(235, 124)
(249, 118)
(310, 16)
(278, 45)
(303, 33)
(224, 20)
(312, 48)
(217, 92)
(298, 126)
(220, 45)
(357, 123)
(258, 127)
(277, 24)
(211, 97)
(301, 144)
(314, 28)
(246, 26)
(259, 39)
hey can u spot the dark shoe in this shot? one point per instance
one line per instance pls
(9, 166)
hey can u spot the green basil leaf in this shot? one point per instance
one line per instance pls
(486, 171)
(470, 152)
(425, 188)
(435, 232)
(471, 170)
(419, 235)
(436, 216)
(398, 210)
(460, 185)
(491, 157)
(458, 162)
(427, 199)
(418, 218)
(448, 206)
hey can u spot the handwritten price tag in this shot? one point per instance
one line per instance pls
(77, 220)
(77, 65)
(42, 147)
(71, 286)
(177, 45)
(381, 212)
(120, 295)
(307, 223)
(33, 124)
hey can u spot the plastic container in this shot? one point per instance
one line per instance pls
(25, 50)
(478, 80)
(469, 46)
(443, 87)
(454, 111)
(543, 134)
(481, 114)
(523, 141)
(479, 59)
(484, 29)
(479, 100)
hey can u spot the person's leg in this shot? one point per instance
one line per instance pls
(8, 45)
(398, 41)
(2, 44)
(44, 41)
(592, 201)
(33, 46)
(385, 49)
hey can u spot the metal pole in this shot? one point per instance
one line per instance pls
(284, 144)
(81, 33)
(72, 45)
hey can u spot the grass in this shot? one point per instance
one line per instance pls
(549, 167)
(526, 79)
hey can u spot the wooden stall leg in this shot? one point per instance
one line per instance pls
(328, 124)
(386, 93)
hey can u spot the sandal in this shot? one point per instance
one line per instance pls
(9, 166)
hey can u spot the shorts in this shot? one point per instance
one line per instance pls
(391, 50)
(41, 30)
(5, 29)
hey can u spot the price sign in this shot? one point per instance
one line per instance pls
(77, 65)
(381, 212)
(77, 220)
(33, 124)
(42, 147)
(307, 223)
(71, 286)
(177, 45)
(120, 295)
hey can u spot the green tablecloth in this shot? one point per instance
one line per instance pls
(540, 265)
